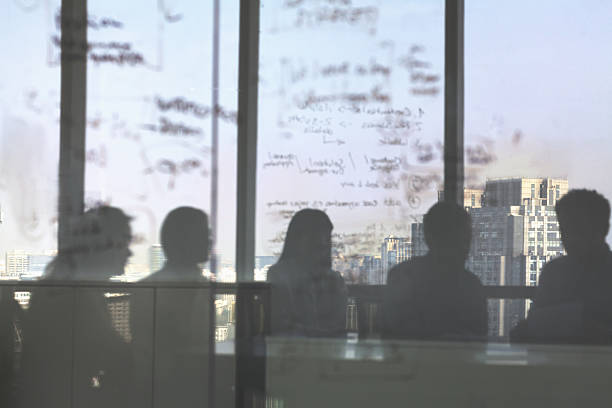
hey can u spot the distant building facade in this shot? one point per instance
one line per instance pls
(394, 250)
(513, 235)
(157, 259)
(16, 264)
(370, 269)
(417, 234)
(472, 197)
(24, 265)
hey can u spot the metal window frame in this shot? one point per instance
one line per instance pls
(453, 101)
(249, 381)
(73, 116)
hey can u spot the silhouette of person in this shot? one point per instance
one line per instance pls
(308, 298)
(435, 296)
(71, 351)
(182, 326)
(573, 301)
(185, 241)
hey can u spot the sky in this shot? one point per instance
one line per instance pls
(537, 99)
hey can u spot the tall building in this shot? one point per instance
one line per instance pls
(37, 263)
(513, 235)
(371, 270)
(417, 235)
(225, 306)
(472, 197)
(157, 259)
(524, 191)
(393, 251)
(119, 309)
(16, 264)
(24, 265)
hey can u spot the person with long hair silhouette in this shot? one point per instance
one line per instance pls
(308, 298)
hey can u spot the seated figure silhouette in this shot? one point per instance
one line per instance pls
(434, 296)
(308, 298)
(71, 350)
(573, 301)
(185, 241)
(179, 338)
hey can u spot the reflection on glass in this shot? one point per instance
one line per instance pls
(350, 122)
(149, 118)
(29, 138)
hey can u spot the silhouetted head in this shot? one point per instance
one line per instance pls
(185, 236)
(107, 234)
(308, 238)
(584, 221)
(448, 231)
(97, 248)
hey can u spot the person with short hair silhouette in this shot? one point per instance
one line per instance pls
(308, 298)
(71, 350)
(185, 242)
(178, 339)
(573, 301)
(98, 247)
(434, 296)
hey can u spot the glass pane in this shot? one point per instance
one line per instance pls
(149, 119)
(350, 123)
(29, 137)
(537, 93)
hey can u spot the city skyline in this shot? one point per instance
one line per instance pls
(372, 267)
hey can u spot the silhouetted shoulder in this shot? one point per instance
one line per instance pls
(472, 279)
(335, 277)
(554, 276)
(280, 272)
(422, 267)
(336, 284)
(273, 272)
(556, 269)
(423, 300)
(406, 270)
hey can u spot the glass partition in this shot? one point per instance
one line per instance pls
(150, 120)
(29, 138)
(350, 123)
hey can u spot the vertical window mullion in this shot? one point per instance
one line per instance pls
(453, 101)
(248, 77)
(248, 80)
(73, 113)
